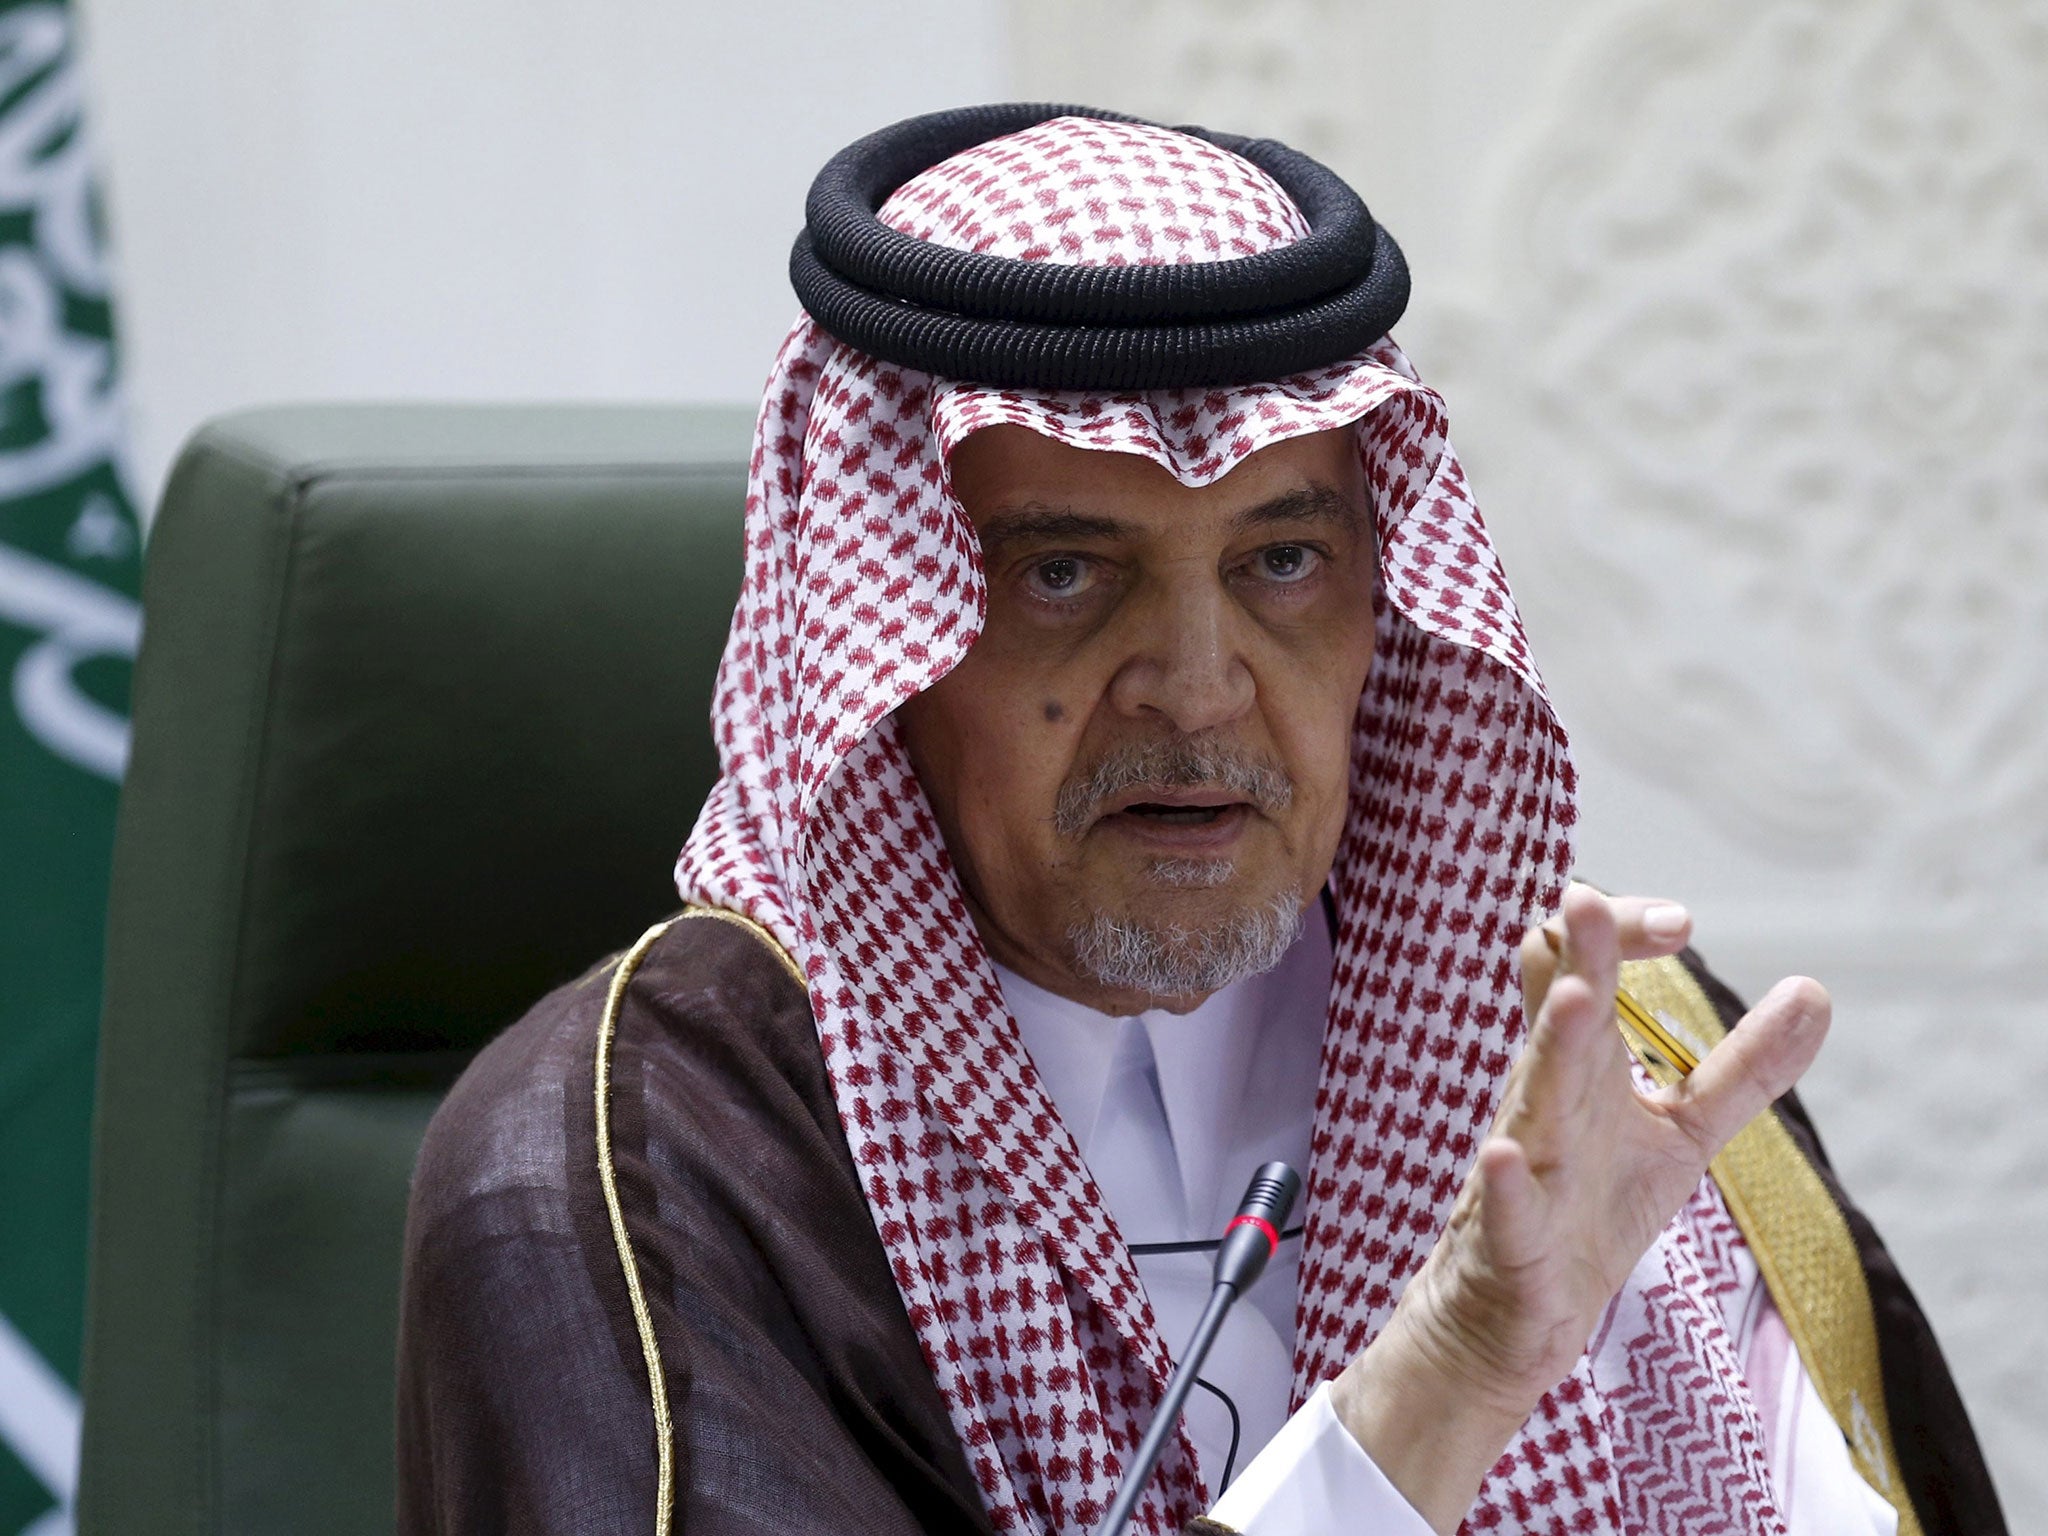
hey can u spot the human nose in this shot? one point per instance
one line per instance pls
(1187, 662)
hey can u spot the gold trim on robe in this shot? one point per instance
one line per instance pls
(643, 1320)
(1798, 1235)
(650, 1347)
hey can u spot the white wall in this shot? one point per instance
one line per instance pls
(1740, 313)
(480, 199)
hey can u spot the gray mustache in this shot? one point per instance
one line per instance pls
(1182, 763)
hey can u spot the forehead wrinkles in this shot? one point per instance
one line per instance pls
(1042, 522)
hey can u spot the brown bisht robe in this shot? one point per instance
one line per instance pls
(799, 1400)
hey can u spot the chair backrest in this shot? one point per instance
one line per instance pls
(420, 722)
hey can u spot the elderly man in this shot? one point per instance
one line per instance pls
(1134, 772)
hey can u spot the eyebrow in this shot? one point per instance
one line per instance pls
(1307, 504)
(1039, 523)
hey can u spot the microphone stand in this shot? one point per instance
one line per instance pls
(1249, 1242)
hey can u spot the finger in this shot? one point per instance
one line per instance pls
(1572, 1043)
(1574, 1055)
(1591, 939)
(1510, 1204)
(1542, 955)
(1758, 1062)
(1573, 1049)
(1647, 926)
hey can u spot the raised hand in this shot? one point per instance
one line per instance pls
(1578, 1175)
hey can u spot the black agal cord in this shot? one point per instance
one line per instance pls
(995, 320)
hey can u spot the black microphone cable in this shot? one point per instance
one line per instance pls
(1249, 1242)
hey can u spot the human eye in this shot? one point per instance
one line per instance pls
(1058, 578)
(1286, 564)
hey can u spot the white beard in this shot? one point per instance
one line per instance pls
(1126, 955)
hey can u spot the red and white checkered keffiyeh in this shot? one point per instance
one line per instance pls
(863, 586)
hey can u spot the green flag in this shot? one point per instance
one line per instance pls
(70, 559)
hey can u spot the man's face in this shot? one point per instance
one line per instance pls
(1141, 767)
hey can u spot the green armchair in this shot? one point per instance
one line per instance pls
(420, 721)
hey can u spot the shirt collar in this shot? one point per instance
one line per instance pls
(1236, 1077)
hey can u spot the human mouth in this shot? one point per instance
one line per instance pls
(1173, 781)
(1179, 815)
(1183, 820)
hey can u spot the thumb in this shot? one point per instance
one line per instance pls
(1762, 1057)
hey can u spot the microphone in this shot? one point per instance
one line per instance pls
(1249, 1243)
